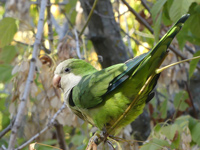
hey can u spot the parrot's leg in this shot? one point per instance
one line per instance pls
(110, 144)
(97, 138)
(91, 144)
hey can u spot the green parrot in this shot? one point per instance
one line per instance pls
(102, 97)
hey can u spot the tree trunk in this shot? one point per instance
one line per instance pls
(105, 33)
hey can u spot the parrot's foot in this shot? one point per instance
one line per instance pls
(97, 138)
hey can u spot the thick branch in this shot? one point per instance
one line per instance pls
(60, 136)
(22, 105)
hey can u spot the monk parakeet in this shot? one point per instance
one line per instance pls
(102, 97)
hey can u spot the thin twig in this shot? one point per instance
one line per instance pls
(8, 128)
(77, 44)
(28, 45)
(128, 38)
(49, 22)
(61, 3)
(189, 49)
(3, 147)
(57, 27)
(44, 129)
(66, 16)
(22, 105)
(89, 17)
(145, 5)
(191, 100)
(138, 17)
(25, 44)
(136, 41)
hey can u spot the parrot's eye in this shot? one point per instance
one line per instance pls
(67, 70)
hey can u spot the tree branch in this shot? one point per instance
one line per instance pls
(44, 129)
(22, 105)
(145, 5)
(138, 17)
(49, 22)
(7, 129)
(135, 40)
(191, 100)
(77, 44)
(89, 17)
(60, 135)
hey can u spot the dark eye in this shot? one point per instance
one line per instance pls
(67, 70)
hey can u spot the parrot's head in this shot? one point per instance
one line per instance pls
(69, 72)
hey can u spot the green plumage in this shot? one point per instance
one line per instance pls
(101, 97)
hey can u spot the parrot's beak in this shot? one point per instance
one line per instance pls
(56, 81)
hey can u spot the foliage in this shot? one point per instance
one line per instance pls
(172, 98)
(178, 135)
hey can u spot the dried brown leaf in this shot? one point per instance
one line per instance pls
(15, 69)
(54, 102)
(12, 108)
(32, 146)
(34, 90)
(24, 66)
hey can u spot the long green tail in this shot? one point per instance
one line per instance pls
(155, 57)
(143, 66)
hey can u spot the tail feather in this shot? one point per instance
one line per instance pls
(169, 36)
(155, 57)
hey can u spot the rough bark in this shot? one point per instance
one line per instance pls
(105, 33)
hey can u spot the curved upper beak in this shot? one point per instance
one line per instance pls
(56, 81)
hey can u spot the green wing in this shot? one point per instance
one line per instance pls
(91, 89)
(88, 93)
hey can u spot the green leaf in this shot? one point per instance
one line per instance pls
(195, 24)
(7, 54)
(5, 72)
(169, 4)
(4, 112)
(157, 8)
(179, 8)
(169, 131)
(195, 132)
(157, 27)
(197, 8)
(183, 121)
(165, 18)
(155, 144)
(193, 64)
(179, 100)
(183, 34)
(8, 28)
(71, 12)
(192, 122)
(77, 139)
(164, 109)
